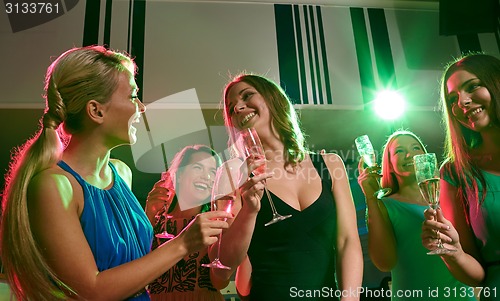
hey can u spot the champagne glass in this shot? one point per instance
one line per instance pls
(170, 195)
(427, 173)
(365, 150)
(223, 195)
(250, 145)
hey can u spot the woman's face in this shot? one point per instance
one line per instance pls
(247, 107)
(123, 110)
(401, 152)
(470, 101)
(195, 180)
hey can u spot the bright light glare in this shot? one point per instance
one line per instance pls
(389, 105)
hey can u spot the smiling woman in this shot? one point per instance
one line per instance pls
(316, 248)
(470, 176)
(182, 193)
(71, 227)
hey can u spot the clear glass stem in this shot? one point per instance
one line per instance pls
(218, 247)
(273, 208)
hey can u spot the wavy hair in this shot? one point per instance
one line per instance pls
(459, 140)
(74, 78)
(389, 179)
(283, 116)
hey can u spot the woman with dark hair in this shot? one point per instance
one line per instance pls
(71, 226)
(470, 176)
(394, 224)
(318, 248)
(183, 192)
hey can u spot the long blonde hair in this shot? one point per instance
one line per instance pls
(74, 78)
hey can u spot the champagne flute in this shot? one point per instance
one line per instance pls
(365, 150)
(165, 177)
(223, 195)
(427, 174)
(250, 145)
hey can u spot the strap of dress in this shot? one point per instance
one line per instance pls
(67, 168)
(320, 166)
(80, 180)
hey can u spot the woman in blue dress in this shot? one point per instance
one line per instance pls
(470, 177)
(71, 227)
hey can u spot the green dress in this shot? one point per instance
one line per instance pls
(418, 276)
(485, 223)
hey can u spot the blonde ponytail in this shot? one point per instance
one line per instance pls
(20, 255)
(74, 78)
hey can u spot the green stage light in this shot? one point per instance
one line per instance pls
(389, 105)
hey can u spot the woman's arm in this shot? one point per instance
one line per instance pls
(381, 238)
(455, 233)
(244, 278)
(55, 202)
(349, 253)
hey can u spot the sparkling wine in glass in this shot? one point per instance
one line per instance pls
(427, 174)
(223, 196)
(250, 145)
(165, 177)
(365, 150)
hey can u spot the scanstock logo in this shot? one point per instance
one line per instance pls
(171, 123)
(25, 14)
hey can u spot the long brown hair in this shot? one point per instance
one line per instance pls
(459, 140)
(74, 78)
(283, 115)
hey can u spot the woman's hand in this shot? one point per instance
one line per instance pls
(204, 230)
(159, 196)
(252, 189)
(368, 179)
(435, 227)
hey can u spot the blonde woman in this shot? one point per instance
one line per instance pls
(71, 226)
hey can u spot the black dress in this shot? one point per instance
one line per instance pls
(295, 258)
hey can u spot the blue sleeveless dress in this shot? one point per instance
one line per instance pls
(296, 257)
(115, 225)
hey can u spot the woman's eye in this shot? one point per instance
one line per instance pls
(472, 86)
(246, 96)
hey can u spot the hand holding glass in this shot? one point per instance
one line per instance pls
(365, 150)
(170, 195)
(250, 145)
(427, 174)
(223, 195)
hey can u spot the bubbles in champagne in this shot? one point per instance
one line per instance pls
(370, 159)
(430, 191)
